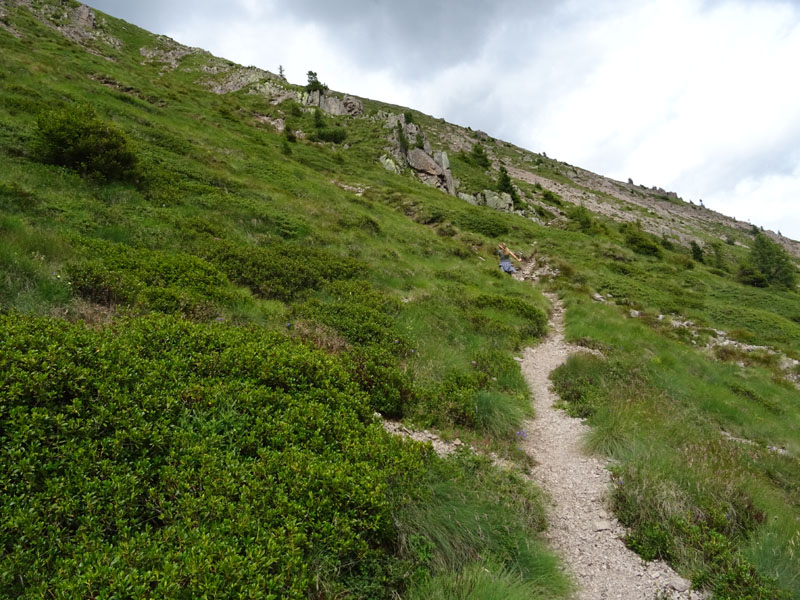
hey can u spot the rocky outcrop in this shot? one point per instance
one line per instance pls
(78, 23)
(422, 162)
(168, 53)
(333, 105)
(432, 170)
(497, 200)
(242, 77)
(278, 124)
(4, 24)
(444, 164)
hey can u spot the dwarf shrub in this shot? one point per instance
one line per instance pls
(167, 282)
(478, 156)
(75, 137)
(335, 135)
(535, 318)
(164, 459)
(282, 270)
(362, 315)
(482, 220)
(640, 241)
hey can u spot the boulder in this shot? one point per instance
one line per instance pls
(421, 161)
(442, 160)
(389, 164)
(468, 198)
(84, 18)
(449, 183)
(498, 200)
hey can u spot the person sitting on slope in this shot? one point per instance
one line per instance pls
(505, 258)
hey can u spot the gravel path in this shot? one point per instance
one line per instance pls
(581, 529)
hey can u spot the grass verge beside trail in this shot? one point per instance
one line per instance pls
(725, 513)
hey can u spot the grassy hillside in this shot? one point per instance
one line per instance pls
(200, 316)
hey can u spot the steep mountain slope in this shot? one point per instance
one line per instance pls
(213, 279)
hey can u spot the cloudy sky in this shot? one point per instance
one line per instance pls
(701, 97)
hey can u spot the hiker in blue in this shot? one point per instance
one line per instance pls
(505, 258)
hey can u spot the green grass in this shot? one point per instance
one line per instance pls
(476, 518)
(708, 504)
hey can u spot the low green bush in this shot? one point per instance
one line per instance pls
(478, 156)
(282, 270)
(361, 314)
(389, 386)
(640, 241)
(164, 459)
(335, 135)
(577, 383)
(535, 318)
(77, 138)
(485, 221)
(168, 282)
(583, 221)
(707, 536)
(551, 197)
(772, 262)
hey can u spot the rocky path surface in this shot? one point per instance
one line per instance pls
(582, 530)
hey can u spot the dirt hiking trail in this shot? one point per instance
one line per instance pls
(582, 531)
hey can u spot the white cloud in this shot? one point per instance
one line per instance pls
(770, 201)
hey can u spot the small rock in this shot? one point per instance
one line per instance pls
(598, 298)
(635, 314)
(679, 584)
(602, 525)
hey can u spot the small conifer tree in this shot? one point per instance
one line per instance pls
(504, 185)
(771, 260)
(479, 156)
(697, 252)
(314, 84)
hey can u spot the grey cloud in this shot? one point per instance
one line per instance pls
(158, 16)
(414, 37)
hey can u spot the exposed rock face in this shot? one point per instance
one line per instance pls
(240, 78)
(497, 200)
(168, 52)
(420, 161)
(77, 23)
(333, 105)
(433, 171)
(6, 26)
(278, 124)
(84, 18)
(444, 163)
(431, 168)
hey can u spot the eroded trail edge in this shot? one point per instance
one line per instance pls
(582, 531)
